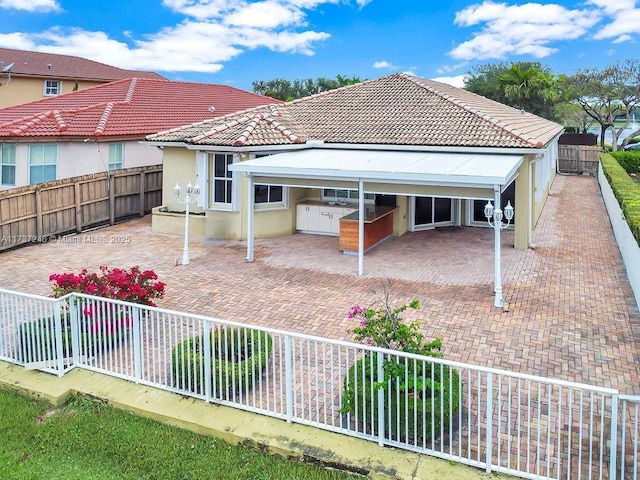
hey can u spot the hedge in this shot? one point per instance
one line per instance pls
(629, 160)
(626, 191)
(238, 356)
(415, 414)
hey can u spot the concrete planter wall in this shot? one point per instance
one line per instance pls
(626, 241)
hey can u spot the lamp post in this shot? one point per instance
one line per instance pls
(190, 197)
(494, 218)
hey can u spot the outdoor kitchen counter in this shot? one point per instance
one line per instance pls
(378, 225)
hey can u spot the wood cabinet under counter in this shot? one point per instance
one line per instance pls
(378, 225)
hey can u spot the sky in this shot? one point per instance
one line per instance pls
(236, 42)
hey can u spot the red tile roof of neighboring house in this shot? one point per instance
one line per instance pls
(40, 64)
(398, 109)
(133, 107)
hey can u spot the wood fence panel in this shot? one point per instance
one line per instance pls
(36, 213)
(94, 202)
(578, 158)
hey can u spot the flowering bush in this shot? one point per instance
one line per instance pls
(420, 396)
(133, 285)
(383, 327)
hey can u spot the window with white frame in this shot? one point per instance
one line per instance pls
(52, 88)
(222, 184)
(116, 155)
(345, 195)
(269, 194)
(8, 164)
(43, 162)
(265, 194)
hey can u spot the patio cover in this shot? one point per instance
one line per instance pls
(456, 174)
(466, 175)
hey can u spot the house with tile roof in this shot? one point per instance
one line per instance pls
(26, 76)
(100, 128)
(426, 153)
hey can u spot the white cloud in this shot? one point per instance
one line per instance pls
(211, 33)
(31, 5)
(383, 64)
(623, 38)
(457, 81)
(624, 22)
(268, 14)
(450, 68)
(519, 29)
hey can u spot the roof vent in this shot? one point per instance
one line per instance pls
(212, 108)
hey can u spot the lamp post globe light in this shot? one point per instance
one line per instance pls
(494, 218)
(191, 196)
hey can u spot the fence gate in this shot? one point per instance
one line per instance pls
(578, 158)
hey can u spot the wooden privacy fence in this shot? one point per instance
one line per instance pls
(38, 213)
(578, 158)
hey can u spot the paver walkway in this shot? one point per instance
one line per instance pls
(571, 311)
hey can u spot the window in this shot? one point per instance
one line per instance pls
(268, 194)
(116, 154)
(222, 178)
(8, 164)
(52, 88)
(43, 162)
(344, 195)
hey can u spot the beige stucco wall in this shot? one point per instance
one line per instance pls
(27, 89)
(180, 166)
(82, 158)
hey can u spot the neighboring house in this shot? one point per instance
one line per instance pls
(100, 128)
(27, 76)
(436, 152)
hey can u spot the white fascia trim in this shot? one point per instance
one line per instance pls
(380, 177)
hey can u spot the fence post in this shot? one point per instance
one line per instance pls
(78, 194)
(489, 451)
(288, 372)
(142, 190)
(39, 231)
(206, 338)
(112, 199)
(380, 380)
(58, 333)
(137, 344)
(74, 312)
(613, 446)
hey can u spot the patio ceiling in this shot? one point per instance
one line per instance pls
(387, 171)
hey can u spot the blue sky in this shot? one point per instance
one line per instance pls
(238, 41)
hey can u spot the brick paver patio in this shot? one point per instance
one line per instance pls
(571, 313)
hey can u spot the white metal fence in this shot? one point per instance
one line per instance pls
(523, 425)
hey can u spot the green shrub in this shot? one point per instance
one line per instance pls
(626, 191)
(418, 404)
(629, 160)
(238, 357)
(37, 340)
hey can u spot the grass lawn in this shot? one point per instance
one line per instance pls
(87, 440)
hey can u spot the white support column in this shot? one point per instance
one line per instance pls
(497, 226)
(361, 213)
(250, 214)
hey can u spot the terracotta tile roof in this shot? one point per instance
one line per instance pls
(41, 64)
(133, 107)
(397, 109)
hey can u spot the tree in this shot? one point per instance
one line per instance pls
(608, 94)
(526, 85)
(287, 90)
(573, 116)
